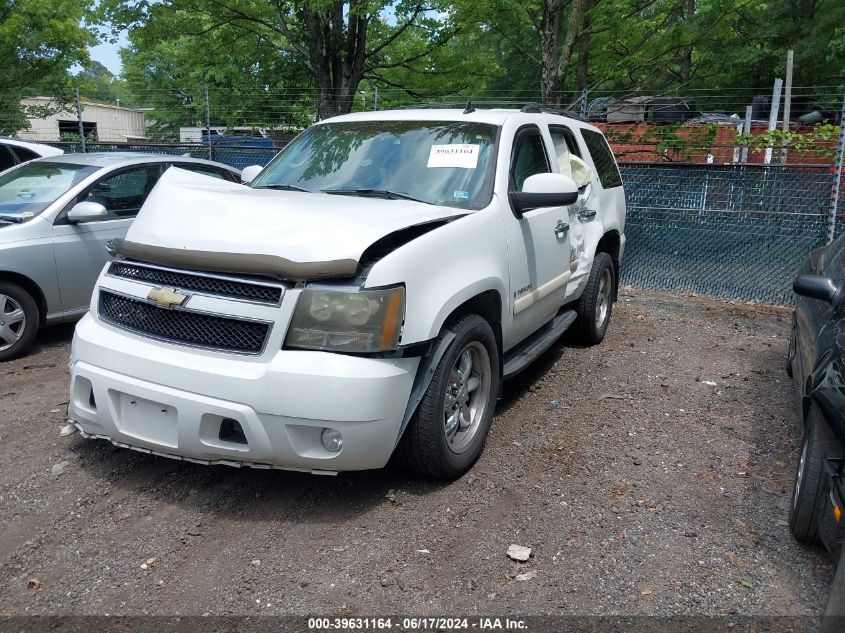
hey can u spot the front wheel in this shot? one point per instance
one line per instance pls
(595, 305)
(808, 489)
(447, 433)
(18, 320)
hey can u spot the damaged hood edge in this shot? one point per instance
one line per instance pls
(255, 264)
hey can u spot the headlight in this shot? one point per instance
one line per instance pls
(339, 321)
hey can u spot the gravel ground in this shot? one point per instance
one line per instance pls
(659, 485)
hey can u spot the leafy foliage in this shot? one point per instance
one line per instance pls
(39, 42)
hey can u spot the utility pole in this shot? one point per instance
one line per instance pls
(79, 120)
(773, 116)
(208, 125)
(837, 177)
(746, 130)
(787, 105)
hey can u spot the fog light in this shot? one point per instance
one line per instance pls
(332, 440)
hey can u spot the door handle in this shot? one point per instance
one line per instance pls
(561, 229)
(585, 215)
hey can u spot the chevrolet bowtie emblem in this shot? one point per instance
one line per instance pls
(166, 298)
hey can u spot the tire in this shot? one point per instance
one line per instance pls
(809, 487)
(595, 305)
(441, 446)
(19, 320)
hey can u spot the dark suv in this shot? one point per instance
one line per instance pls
(816, 357)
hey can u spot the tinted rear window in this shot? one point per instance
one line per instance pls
(24, 154)
(603, 159)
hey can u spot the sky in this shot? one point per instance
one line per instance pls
(107, 54)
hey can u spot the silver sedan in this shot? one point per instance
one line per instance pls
(56, 216)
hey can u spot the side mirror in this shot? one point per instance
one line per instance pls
(817, 287)
(87, 212)
(543, 190)
(249, 173)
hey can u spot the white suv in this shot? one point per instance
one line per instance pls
(367, 293)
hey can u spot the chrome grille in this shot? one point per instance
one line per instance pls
(183, 327)
(207, 284)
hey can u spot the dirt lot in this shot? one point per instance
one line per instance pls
(648, 490)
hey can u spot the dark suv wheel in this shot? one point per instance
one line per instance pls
(809, 487)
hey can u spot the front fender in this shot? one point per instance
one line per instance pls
(445, 268)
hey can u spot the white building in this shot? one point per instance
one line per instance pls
(106, 123)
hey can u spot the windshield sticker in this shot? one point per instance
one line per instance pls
(461, 195)
(456, 155)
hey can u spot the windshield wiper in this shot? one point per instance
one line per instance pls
(373, 193)
(15, 219)
(284, 187)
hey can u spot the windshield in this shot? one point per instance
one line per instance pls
(437, 162)
(28, 190)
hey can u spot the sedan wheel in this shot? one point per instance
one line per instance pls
(19, 320)
(12, 322)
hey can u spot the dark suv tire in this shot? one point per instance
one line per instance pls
(810, 483)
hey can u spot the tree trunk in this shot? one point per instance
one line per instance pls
(685, 74)
(581, 74)
(556, 56)
(336, 52)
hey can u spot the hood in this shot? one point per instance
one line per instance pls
(200, 222)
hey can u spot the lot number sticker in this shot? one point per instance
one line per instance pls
(455, 155)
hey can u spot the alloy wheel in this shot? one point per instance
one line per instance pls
(12, 322)
(467, 395)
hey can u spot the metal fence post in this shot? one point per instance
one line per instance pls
(746, 130)
(208, 126)
(837, 176)
(583, 103)
(79, 120)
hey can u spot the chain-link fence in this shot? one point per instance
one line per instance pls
(730, 231)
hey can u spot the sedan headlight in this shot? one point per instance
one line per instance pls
(347, 321)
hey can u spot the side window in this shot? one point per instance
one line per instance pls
(603, 159)
(207, 170)
(529, 157)
(24, 154)
(122, 194)
(564, 140)
(6, 158)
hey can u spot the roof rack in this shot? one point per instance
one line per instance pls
(470, 106)
(536, 107)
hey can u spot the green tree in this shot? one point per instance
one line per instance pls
(40, 40)
(97, 83)
(339, 43)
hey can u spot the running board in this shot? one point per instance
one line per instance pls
(527, 352)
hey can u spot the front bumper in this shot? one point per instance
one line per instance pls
(174, 401)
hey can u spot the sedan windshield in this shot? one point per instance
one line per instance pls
(437, 162)
(28, 190)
